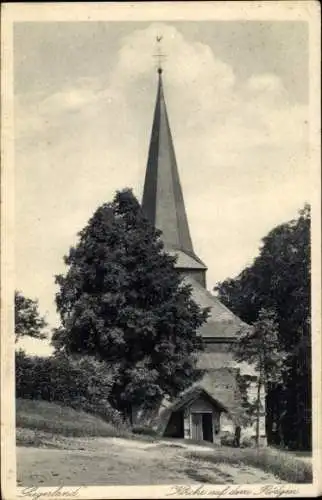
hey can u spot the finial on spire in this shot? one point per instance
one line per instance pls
(159, 54)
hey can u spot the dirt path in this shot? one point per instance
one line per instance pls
(115, 461)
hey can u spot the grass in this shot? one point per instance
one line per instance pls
(43, 424)
(52, 418)
(40, 423)
(280, 464)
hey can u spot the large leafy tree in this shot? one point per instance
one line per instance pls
(280, 279)
(28, 320)
(122, 301)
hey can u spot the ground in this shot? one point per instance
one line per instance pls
(57, 445)
(116, 461)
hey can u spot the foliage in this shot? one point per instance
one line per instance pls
(123, 301)
(27, 318)
(249, 408)
(79, 382)
(260, 347)
(279, 280)
(144, 431)
(227, 438)
(248, 442)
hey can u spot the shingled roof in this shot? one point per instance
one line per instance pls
(221, 323)
(221, 384)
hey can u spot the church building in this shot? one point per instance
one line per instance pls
(214, 404)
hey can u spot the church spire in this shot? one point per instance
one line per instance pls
(163, 201)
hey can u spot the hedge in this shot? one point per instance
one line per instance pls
(79, 382)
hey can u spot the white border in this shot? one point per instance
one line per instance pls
(154, 11)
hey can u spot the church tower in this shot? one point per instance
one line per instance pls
(163, 204)
(163, 201)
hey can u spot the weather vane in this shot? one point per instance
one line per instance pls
(159, 54)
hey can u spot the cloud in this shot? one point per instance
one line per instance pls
(241, 149)
(265, 83)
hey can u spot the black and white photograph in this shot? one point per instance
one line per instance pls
(161, 265)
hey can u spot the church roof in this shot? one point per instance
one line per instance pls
(185, 260)
(196, 391)
(221, 384)
(163, 202)
(221, 323)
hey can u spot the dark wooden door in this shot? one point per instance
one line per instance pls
(207, 427)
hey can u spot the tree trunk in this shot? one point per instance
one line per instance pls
(237, 437)
(259, 386)
(269, 416)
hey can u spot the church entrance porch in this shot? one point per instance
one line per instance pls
(195, 415)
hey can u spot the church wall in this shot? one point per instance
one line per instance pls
(219, 347)
(216, 356)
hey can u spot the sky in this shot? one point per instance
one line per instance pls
(237, 99)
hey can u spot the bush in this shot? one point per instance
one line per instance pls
(144, 431)
(79, 382)
(248, 442)
(227, 439)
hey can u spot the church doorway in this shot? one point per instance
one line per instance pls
(207, 427)
(201, 424)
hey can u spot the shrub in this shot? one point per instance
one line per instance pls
(227, 439)
(79, 382)
(248, 442)
(145, 431)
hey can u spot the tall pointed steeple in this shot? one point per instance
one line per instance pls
(163, 205)
(163, 201)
